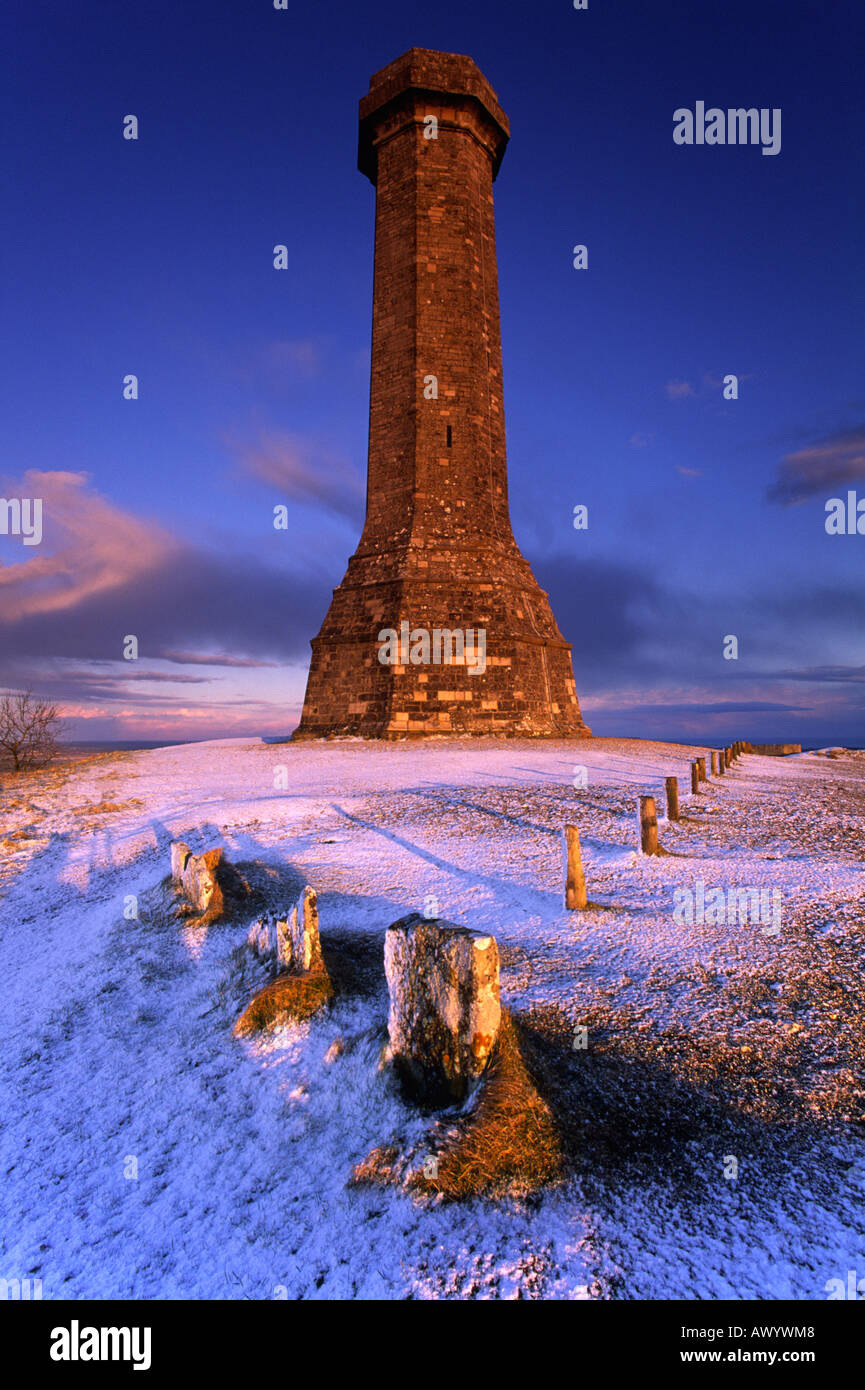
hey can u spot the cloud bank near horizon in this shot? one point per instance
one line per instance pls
(224, 634)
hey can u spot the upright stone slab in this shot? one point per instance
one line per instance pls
(290, 938)
(180, 853)
(298, 948)
(200, 882)
(208, 882)
(302, 985)
(444, 1005)
(262, 936)
(437, 550)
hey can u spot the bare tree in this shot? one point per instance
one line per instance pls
(28, 730)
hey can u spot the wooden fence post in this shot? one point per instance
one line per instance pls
(575, 879)
(672, 788)
(648, 824)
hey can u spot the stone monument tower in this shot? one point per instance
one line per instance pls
(439, 625)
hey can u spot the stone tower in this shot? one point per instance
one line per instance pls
(437, 553)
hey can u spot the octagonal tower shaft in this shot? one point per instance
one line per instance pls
(437, 457)
(437, 550)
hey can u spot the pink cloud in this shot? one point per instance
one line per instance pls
(89, 547)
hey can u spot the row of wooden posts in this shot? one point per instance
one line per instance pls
(575, 879)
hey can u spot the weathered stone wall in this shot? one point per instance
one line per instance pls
(437, 547)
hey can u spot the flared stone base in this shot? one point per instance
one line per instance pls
(523, 687)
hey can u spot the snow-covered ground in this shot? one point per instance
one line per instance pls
(146, 1153)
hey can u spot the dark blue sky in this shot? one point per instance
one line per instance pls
(706, 517)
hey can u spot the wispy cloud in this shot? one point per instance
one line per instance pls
(297, 356)
(302, 470)
(844, 675)
(124, 677)
(679, 390)
(832, 462)
(700, 707)
(209, 659)
(279, 365)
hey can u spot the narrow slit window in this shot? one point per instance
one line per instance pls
(450, 437)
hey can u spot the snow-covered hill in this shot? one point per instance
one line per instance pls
(706, 1041)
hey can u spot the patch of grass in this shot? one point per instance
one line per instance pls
(379, 1167)
(27, 834)
(286, 999)
(101, 808)
(508, 1141)
(504, 1142)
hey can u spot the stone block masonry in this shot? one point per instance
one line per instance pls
(437, 550)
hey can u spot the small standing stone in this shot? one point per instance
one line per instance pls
(298, 947)
(200, 882)
(291, 938)
(207, 881)
(262, 936)
(302, 985)
(444, 1005)
(179, 855)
